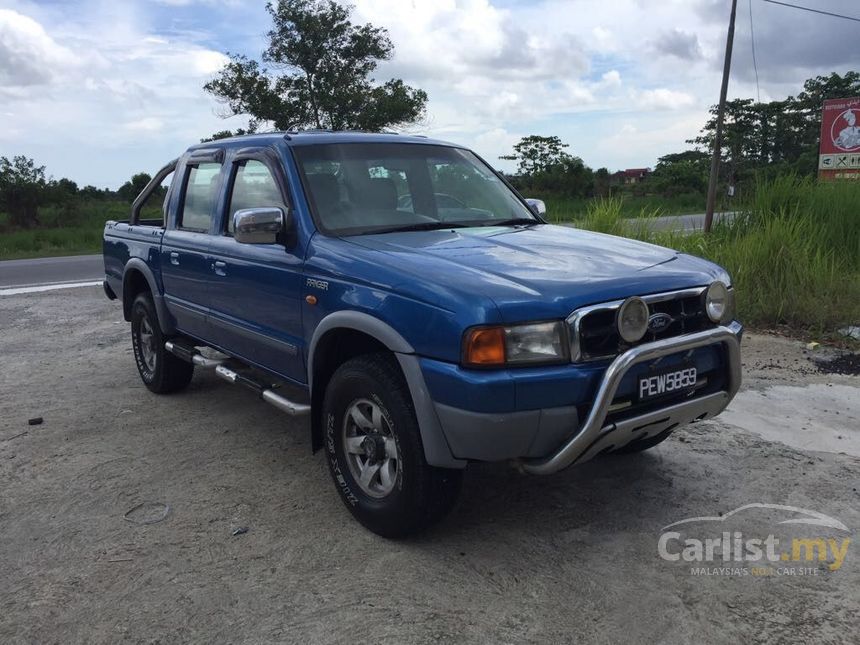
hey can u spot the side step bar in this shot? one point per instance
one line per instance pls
(266, 392)
(190, 354)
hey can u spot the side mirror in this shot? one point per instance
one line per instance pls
(537, 206)
(258, 225)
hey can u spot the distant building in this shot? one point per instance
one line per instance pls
(630, 176)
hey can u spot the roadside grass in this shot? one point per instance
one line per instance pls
(566, 209)
(49, 242)
(63, 231)
(793, 252)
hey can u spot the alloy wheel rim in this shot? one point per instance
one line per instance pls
(147, 344)
(370, 447)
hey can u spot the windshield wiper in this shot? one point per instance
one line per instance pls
(514, 221)
(420, 226)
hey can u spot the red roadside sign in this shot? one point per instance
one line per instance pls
(839, 152)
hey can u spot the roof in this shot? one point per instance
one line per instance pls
(309, 137)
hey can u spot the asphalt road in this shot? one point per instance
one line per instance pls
(40, 271)
(686, 223)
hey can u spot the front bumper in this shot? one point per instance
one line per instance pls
(547, 440)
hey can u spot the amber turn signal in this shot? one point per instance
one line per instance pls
(485, 346)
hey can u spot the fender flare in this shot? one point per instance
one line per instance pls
(436, 449)
(359, 321)
(165, 320)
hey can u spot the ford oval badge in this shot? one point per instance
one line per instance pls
(659, 322)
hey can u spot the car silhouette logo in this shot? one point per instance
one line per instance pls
(659, 322)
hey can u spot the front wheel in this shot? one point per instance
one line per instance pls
(161, 371)
(375, 454)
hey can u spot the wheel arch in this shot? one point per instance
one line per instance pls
(138, 277)
(343, 335)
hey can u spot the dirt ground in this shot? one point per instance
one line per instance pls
(567, 558)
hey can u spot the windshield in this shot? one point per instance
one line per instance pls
(359, 188)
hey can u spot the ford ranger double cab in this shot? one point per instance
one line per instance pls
(401, 295)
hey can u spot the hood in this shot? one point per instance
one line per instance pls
(542, 271)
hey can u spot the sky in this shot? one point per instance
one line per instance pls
(97, 90)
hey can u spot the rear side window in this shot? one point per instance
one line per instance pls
(254, 187)
(201, 192)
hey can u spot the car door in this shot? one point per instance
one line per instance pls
(185, 267)
(254, 298)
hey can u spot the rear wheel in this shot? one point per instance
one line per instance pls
(161, 371)
(375, 454)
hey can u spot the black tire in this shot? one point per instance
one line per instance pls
(643, 444)
(420, 494)
(161, 371)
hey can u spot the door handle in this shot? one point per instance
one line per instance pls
(174, 257)
(219, 267)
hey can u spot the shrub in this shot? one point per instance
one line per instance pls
(793, 251)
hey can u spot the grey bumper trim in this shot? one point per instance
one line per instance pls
(653, 423)
(592, 434)
(485, 436)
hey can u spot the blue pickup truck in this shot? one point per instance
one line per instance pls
(403, 296)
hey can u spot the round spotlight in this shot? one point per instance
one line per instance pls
(632, 319)
(718, 303)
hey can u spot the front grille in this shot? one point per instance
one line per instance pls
(594, 334)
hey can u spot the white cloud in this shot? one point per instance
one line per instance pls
(602, 40)
(471, 51)
(146, 124)
(679, 44)
(612, 78)
(98, 103)
(663, 99)
(28, 55)
(99, 89)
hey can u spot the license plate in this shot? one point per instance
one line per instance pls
(667, 381)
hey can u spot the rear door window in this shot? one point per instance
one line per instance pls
(201, 193)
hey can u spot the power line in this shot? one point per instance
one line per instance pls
(755, 64)
(825, 13)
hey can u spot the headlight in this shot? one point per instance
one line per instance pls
(528, 344)
(632, 319)
(719, 303)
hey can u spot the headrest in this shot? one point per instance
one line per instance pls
(380, 193)
(325, 190)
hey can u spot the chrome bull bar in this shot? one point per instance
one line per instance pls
(594, 436)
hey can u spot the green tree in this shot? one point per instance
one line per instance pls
(91, 192)
(543, 167)
(680, 172)
(23, 188)
(226, 134)
(131, 189)
(66, 187)
(535, 154)
(325, 64)
(777, 136)
(601, 182)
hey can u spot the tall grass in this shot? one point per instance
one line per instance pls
(565, 209)
(793, 251)
(64, 231)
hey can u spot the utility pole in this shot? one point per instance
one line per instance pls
(718, 133)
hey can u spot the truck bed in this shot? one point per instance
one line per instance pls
(122, 241)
